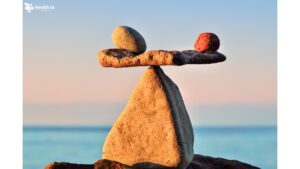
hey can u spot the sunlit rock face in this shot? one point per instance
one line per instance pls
(154, 130)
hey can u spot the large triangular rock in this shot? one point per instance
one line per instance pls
(154, 130)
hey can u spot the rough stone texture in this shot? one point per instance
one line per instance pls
(207, 42)
(205, 162)
(127, 38)
(154, 130)
(124, 58)
(107, 164)
(198, 162)
(100, 164)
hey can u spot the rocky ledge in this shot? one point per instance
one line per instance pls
(198, 162)
(206, 162)
(125, 58)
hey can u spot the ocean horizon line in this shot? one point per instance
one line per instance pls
(108, 127)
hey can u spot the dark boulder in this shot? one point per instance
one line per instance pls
(206, 162)
(198, 162)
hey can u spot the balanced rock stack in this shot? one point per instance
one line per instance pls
(154, 130)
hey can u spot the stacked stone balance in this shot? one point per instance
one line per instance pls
(154, 130)
(131, 45)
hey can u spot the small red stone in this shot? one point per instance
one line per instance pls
(207, 42)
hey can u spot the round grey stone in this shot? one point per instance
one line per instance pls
(127, 38)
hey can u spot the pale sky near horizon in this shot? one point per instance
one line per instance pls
(65, 85)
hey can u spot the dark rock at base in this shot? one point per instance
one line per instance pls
(107, 164)
(205, 162)
(198, 162)
(64, 165)
(100, 164)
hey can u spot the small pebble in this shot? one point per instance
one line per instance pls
(207, 42)
(127, 38)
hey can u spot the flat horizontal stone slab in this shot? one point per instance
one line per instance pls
(124, 58)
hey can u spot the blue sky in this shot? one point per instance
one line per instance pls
(64, 84)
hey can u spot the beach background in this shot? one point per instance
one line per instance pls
(70, 102)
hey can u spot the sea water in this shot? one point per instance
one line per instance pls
(41, 145)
